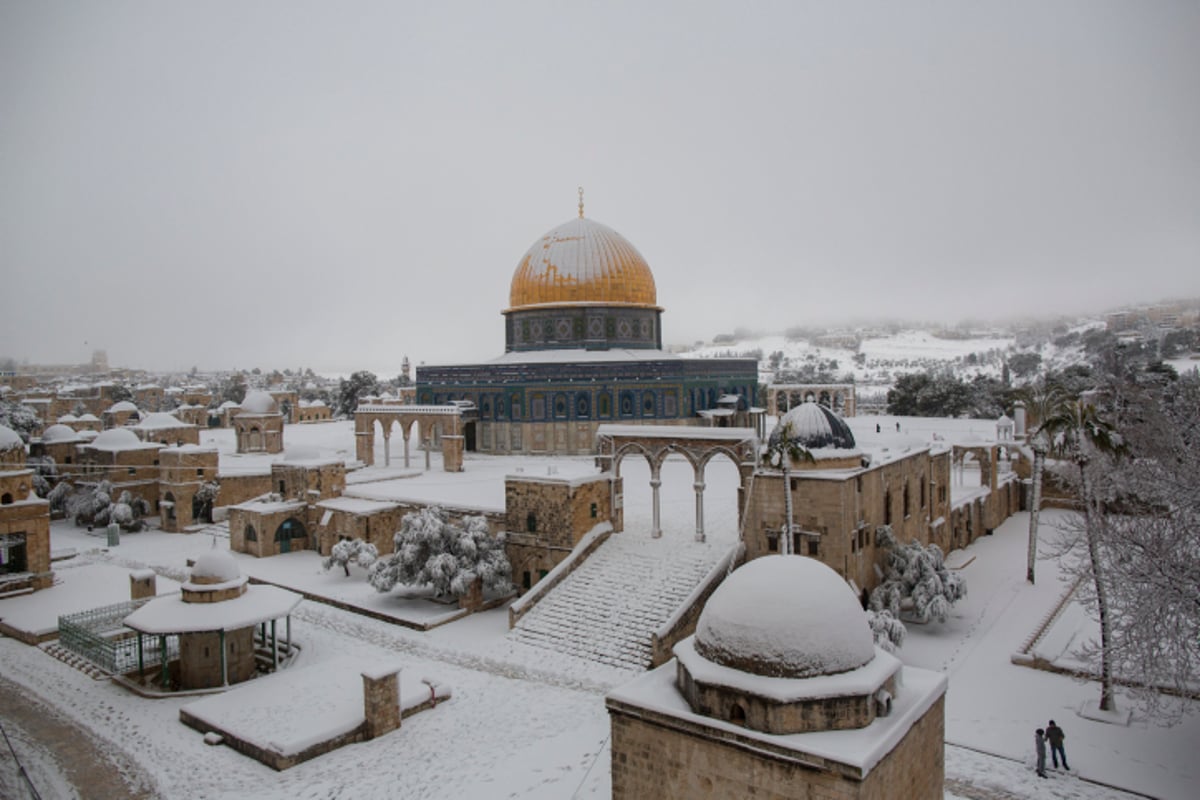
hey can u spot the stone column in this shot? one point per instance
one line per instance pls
(142, 583)
(699, 487)
(381, 700)
(655, 482)
(406, 464)
(387, 449)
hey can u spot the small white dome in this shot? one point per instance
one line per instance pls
(59, 433)
(785, 617)
(9, 439)
(259, 402)
(89, 418)
(124, 405)
(814, 426)
(216, 566)
(68, 418)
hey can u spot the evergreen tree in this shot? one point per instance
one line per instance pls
(915, 580)
(351, 551)
(432, 551)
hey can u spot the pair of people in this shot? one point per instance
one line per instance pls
(1055, 736)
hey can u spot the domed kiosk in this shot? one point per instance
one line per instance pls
(583, 347)
(822, 433)
(258, 426)
(780, 692)
(223, 629)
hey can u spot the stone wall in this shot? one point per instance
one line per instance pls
(23, 513)
(545, 517)
(654, 756)
(200, 658)
(238, 489)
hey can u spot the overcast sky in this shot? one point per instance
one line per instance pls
(335, 185)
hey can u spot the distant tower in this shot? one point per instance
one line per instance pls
(99, 361)
(405, 372)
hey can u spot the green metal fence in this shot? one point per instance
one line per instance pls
(100, 636)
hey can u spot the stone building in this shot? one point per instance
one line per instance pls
(120, 414)
(583, 346)
(314, 411)
(780, 693)
(184, 472)
(259, 425)
(192, 414)
(288, 403)
(59, 442)
(166, 429)
(287, 518)
(225, 413)
(215, 618)
(545, 517)
(121, 458)
(24, 521)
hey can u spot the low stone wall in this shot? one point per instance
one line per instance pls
(587, 545)
(683, 624)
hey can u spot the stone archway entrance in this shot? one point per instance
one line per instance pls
(291, 528)
(698, 446)
(453, 425)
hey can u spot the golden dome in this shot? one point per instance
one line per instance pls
(582, 261)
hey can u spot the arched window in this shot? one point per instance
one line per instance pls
(531, 522)
(560, 406)
(887, 507)
(582, 406)
(906, 503)
(648, 409)
(251, 535)
(605, 404)
(737, 714)
(6, 499)
(626, 404)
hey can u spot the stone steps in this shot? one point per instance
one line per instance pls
(74, 660)
(607, 610)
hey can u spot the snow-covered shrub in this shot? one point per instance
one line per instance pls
(888, 631)
(915, 580)
(351, 551)
(431, 550)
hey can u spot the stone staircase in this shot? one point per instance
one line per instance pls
(607, 609)
(74, 660)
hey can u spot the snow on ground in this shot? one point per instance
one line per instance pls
(525, 722)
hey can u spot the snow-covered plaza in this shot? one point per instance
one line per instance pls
(527, 722)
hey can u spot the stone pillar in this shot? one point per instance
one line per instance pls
(699, 487)
(406, 464)
(142, 583)
(473, 599)
(387, 450)
(452, 453)
(1019, 420)
(381, 700)
(364, 447)
(655, 482)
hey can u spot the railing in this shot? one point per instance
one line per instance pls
(100, 636)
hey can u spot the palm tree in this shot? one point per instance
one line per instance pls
(1044, 401)
(1077, 432)
(782, 448)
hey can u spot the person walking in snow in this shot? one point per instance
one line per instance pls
(1039, 744)
(1055, 736)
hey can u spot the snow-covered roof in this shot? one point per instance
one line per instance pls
(357, 505)
(58, 434)
(119, 439)
(785, 616)
(259, 402)
(88, 418)
(9, 439)
(170, 614)
(121, 407)
(161, 420)
(228, 404)
(68, 418)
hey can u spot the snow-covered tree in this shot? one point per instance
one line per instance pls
(21, 418)
(94, 505)
(431, 550)
(784, 447)
(889, 632)
(351, 551)
(1044, 401)
(58, 496)
(350, 391)
(915, 580)
(202, 503)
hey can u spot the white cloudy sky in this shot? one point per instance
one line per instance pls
(284, 184)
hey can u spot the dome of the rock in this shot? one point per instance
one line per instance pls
(580, 262)
(785, 616)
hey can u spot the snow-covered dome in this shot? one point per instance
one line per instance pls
(785, 616)
(59, 433)
(116, 439)
(122, 407)
(9, 439)
(89, 418)
(68, 418)
(228, 404)
(814, 426)
(582, 261)
(259, 402)
(160, 420)
(215, 566)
